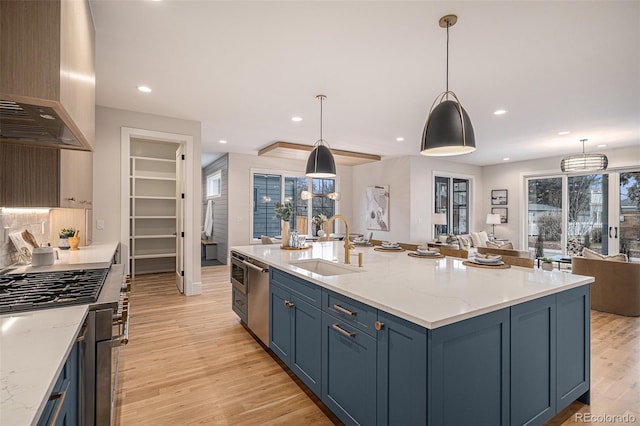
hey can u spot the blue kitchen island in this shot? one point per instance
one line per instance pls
(415, 341)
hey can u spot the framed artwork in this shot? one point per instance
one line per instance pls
(503, 212)
(499, 197)
(377, 208)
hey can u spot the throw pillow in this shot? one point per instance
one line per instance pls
(483, 238)
(475, 239)
(491, 244)
(464, 241)
(590, 254)
(452, 240)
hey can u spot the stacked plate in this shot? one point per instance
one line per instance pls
(423, 251)
(487, 260)
(390, 246)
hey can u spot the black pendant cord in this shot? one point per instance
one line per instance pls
(448, 60)
(321, 120)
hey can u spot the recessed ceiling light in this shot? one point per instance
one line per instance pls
(602, 145)
(144, 89)
(400, 139)
(564, 132)
(222, 141)
(506, 159)
(500, 112)
(296, 119)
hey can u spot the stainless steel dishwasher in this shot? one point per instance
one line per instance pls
(257, 293)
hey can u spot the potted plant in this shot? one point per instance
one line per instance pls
(318, 221)
(64, 234)
(283, 212)
(547, 264)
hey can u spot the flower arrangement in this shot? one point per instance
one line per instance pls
(319, 220)
(67, 232)
(284, 211)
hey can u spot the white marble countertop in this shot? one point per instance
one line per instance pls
(95, 253)
(428, 292)
(34, 348)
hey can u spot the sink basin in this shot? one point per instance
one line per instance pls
(324, 267)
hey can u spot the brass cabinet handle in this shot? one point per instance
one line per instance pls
(342, 331)
(344, 311)
(379, 325)
(288, 304)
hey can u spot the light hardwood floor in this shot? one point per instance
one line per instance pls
(190, 361)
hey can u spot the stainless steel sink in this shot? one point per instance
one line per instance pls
(324, 267)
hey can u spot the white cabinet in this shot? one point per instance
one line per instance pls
(152, 207)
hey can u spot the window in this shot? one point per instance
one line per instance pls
(269, 189)
(213, 184)
(452, 198)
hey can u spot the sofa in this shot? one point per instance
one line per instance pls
(617, 284)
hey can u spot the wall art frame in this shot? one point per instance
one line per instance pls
(499, 197)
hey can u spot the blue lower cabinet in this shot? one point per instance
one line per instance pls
(401, 372)
(295, 335)
(574, 346)
(280, 322)
(533, 361)
(469, 372)
(306, 344)
(62, 407)
(348, 372)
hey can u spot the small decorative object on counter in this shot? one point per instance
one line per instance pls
(65, 233)
(547, 264)
(318, 221)
(74, 241)
(283, 212)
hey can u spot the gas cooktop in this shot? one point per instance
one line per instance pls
(44, 290)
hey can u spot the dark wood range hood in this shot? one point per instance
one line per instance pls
(47, 73)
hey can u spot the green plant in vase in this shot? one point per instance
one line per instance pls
(283, 212)
(65, 234)
(547, 263)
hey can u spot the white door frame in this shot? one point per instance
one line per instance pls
(126, 133)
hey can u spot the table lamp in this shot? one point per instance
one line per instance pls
(438, 219)
(493, 220)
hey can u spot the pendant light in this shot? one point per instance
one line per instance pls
(448, 130)
(584, 162)
(321, 163)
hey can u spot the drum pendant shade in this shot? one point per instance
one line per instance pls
(321, 163)
(448, 130)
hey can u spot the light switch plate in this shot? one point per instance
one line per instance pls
(100, 224)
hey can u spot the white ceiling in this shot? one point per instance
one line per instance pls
(244, 68)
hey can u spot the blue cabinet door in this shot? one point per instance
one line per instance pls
(64, 396)
(402, 372)
(533, 361)
(280, 322)
(348, 372)
(574, 346)
(306, 344)
(469, 372)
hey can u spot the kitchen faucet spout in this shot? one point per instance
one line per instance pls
(347, 244)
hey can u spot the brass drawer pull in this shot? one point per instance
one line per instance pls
(344, 311)
(342, 331)
(379, 325)
(288, 304)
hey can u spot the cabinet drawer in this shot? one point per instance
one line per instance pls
(239, 303)
(306, 291)
(350, 311)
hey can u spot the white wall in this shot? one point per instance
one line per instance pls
(410, 181)
(240, 194)
(511, 176)
(107, 172)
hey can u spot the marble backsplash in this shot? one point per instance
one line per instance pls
(17, 220)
